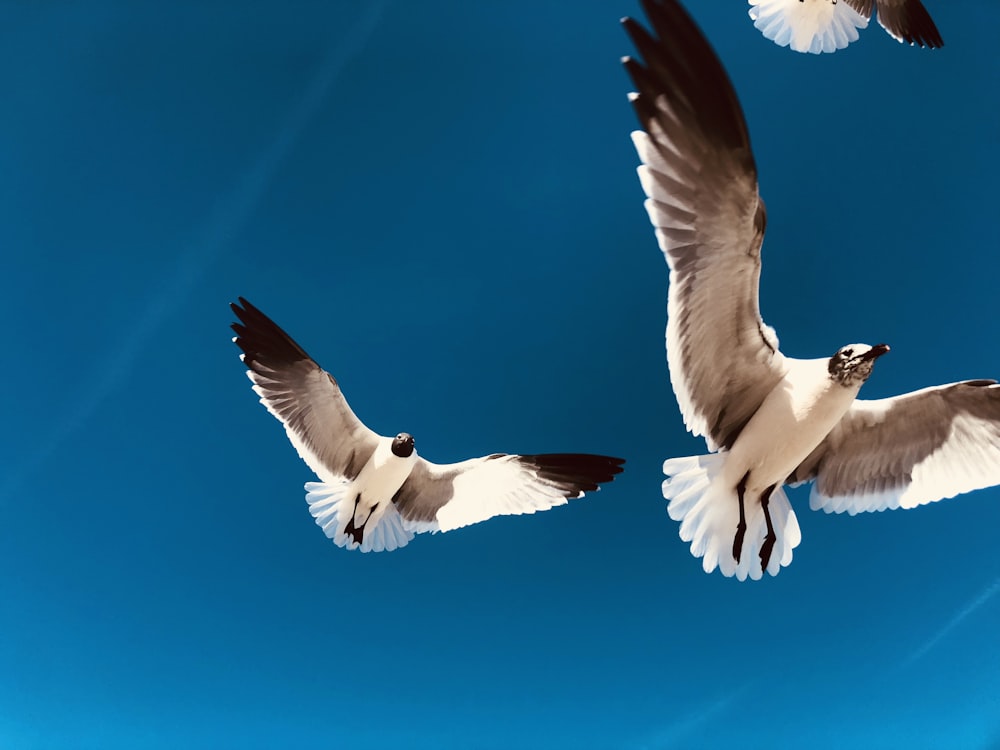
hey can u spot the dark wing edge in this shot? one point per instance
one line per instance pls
(682, 67)
(905, 20)
(499, 484)
(574, 473)
(305, 398)
(265, 345)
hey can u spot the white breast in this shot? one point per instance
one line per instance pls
(794, 418)
(383, 475)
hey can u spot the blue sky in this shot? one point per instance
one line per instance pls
(438, 201)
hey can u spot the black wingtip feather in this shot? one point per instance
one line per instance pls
(912, 23)
(261, 339)
(573, 473)
(680, 65)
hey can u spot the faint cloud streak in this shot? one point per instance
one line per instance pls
(223, 224)
(967, 611)
(678, 733)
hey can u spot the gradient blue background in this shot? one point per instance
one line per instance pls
(438, 201)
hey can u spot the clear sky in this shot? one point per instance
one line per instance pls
(438, 201)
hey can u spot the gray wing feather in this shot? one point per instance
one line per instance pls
(700, 179)
(305, 398)
(908, 450)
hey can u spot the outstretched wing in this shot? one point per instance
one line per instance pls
(445, 497)
(906, 20)
(908, 450)
(700, 179)
(305, 398)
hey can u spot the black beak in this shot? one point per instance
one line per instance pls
(876, 352)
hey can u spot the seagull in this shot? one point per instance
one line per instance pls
(768, 419)
(376, 493)
(828, 25)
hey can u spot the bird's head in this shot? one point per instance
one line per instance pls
(852, 364)
(402, 445)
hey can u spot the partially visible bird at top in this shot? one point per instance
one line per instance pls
(828, 25)
(768, 419)
(376, 493)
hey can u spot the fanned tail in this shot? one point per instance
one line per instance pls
(708, 512)
(328, 505)
(813, 26)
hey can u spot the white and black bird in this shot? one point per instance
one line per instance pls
(828, 25)
(376, 493)
(769, 419)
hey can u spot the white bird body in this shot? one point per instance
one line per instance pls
(792, 420)
(378, 482)
(706, 492)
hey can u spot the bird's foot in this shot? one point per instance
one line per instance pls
(741, 530)
(766, 549)
(357, 534)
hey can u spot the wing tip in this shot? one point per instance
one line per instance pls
(574, 473)
(261, 338)
(682, 72)
(910, 24)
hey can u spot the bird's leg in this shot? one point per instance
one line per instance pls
(741, 527)
(350, 530)
(770, 539)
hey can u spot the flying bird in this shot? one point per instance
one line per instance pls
(768, 419)
(376, 493)
(828, 25)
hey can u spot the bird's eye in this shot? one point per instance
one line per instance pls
(848, 353)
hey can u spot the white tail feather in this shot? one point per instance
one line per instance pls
(708, 512)
(327, 505)
(813, 26)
